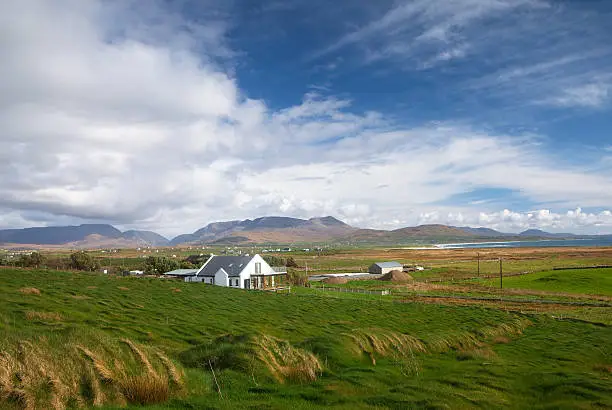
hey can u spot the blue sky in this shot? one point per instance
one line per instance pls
(385, 114)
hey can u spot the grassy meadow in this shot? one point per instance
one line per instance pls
(70, 340)
(580, 281)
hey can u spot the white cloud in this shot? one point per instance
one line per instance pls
(510, 221)
(436, 30)
(520, 52)
(100, 122)
(590, 95)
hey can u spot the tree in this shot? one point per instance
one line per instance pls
(187, 265)
(118, 270)
(274, 260)
(160, 264)
(83, 261)
(5, 261)
(197, 260)
(291, 263)
(33, 260)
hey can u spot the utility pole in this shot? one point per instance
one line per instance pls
(501, 277)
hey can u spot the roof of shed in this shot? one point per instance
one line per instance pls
(233, 265)
(182, 272)
(391, 264)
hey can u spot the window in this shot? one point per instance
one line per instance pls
(257, 267)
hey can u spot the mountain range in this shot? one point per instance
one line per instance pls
(265, 230)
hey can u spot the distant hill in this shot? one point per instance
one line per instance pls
(81, 236)
(264, 230)
(538, 233)
(146, 238)
(488, 232)
(268, 229)
(57, 235)
(417, 234)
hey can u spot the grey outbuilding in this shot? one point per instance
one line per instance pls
(382, 268)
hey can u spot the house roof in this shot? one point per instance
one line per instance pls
(391, 264)
(182, 272)
(233, 265)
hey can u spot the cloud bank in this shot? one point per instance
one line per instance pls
(110, 112)
(509, 221)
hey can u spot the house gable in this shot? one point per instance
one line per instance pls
(221, 278)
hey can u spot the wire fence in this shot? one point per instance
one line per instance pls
(383, 292)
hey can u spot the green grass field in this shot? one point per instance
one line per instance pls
(279, 351)
(584, 281)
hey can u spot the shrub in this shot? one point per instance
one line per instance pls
(297, 278)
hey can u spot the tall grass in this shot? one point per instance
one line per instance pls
(261, 356)
(384, 343)
(40, 375)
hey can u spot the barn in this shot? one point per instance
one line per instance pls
(382, 268)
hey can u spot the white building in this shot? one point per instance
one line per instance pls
(382, 268)
(245, 272)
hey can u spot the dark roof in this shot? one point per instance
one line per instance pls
(233, 265)
(389, 264)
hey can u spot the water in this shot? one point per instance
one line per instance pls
(551, 243)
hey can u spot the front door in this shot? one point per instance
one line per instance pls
(247, 284)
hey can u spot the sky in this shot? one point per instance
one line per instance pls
(167, 115)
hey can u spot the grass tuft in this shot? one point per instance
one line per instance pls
(175, 374)
(29, 291)
(105, 374)
(285, 361)
(43, 316)
(144, 360)
(384, 343)
(258, 354)
(145, 389)
(604, 368)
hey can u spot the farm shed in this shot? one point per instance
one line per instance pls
(382, 268)
(181, 273)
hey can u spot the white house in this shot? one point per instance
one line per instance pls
(245, 272)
